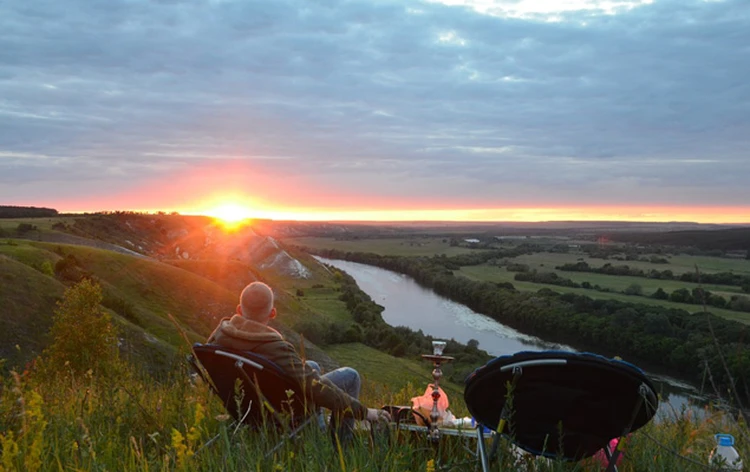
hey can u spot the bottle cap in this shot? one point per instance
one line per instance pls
(725, 439)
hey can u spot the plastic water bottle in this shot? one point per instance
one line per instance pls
(485, 429)
(725, 454)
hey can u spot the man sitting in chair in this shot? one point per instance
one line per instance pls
(248, 330)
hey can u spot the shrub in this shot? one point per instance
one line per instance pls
(47, 269)
(67, 268)
(120, 306)
(633, 289)
(25, 227)
(82, 336)
(517, 268)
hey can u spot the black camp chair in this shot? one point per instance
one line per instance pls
(254, 390)
(559, 405)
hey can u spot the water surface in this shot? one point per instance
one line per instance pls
(408, 304)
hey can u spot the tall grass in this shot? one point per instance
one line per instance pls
(68, 413)
(133, 422)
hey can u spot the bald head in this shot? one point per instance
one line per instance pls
(256, 302)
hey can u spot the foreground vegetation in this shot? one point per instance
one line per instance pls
(66, 412)
(70, 400)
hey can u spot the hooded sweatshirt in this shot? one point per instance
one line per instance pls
(245, 334)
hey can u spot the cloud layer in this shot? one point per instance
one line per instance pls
(465, 103)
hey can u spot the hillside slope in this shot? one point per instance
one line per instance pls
(27, 301)
(141, 294)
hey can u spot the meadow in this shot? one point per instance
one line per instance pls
(129, 422)
(487, 273)
(407, 246)
(545, 261)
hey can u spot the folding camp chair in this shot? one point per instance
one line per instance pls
(560, 405)
(254, 390)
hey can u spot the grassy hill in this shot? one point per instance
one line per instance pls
(140, 292)
(27, 298)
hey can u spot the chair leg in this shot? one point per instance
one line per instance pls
(292, 434)
(612, 467)
(609, 455)
(481, 451)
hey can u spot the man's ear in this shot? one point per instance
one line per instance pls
(272, 315)
(239, 310)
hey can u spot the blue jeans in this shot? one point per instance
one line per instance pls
(347, 379)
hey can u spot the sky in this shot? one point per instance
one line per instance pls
(381, 109)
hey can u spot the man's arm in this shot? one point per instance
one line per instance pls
(322, 391)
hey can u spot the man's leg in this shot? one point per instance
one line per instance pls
(321, 417)
(347, 379)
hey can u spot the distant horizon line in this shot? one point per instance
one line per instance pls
(477, 222)
(234, 210)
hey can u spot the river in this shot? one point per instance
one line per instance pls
(409, 304)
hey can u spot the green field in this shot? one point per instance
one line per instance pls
(9, 225)
(677, 264)
(498, 274)
(414, 246)
(546, 262)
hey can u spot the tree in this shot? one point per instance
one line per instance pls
(83, 336)
(681, 295)
(660, 294)
(633, 289)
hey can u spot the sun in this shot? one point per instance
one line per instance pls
(230, 214)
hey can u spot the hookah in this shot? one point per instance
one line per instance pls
(438, 359)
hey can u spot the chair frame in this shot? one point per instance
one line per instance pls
(517, 369)
(258, 408)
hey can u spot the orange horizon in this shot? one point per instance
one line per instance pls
(251, 191)
(536, 214)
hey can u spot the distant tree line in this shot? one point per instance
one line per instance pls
(8, 211)
(672, 340)
(719, 278)
(550, 278)
(724, 239)
(698, 296)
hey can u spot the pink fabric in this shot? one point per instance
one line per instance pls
(601, 456)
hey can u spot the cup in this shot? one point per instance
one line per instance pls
(438, 347)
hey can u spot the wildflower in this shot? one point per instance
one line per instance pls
(10, 450)
(34, 426)
(430, 466)
(179, 447)
(194, 433)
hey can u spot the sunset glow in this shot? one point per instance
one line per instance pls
(230, 214)
(718, 215)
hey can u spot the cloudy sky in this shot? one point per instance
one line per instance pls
(474, 109)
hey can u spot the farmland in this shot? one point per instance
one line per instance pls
(542, 260)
